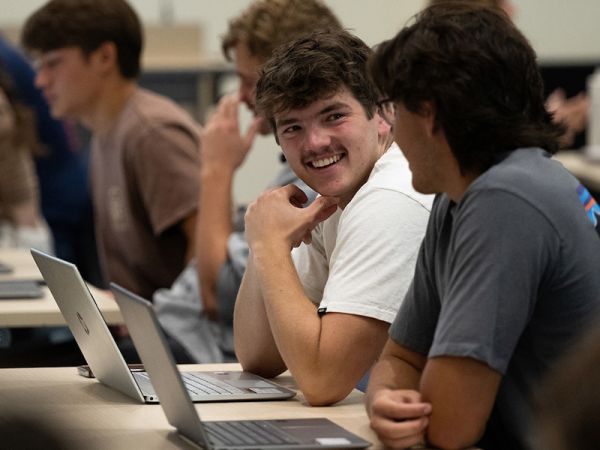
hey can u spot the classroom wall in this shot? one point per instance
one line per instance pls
(559, 30)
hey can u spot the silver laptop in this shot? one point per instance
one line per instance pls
(104, 358)
(152, 347)
(17, 289)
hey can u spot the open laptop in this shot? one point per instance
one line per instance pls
(152, 347)
(18, 289)
(5, 268)
(104, 358)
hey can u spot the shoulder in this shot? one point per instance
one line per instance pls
(392, 174)
(149, 114)
(528, 177)
(389, 193)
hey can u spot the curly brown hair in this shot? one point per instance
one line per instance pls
(315, 67)
(266, 24)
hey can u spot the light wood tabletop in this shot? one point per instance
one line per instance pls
(87, 414)
(43, 311)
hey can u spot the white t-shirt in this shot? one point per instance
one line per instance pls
(362, 258)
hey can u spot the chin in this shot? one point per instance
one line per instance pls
(56, 113)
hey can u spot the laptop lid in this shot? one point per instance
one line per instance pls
(86, 323)
(158, 360)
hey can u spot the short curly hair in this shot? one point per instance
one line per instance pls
(266, 24)
(315, 67)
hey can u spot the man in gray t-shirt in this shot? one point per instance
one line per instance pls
(506, 277)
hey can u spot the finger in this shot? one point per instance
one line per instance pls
(408, 432)
(398, 410)
(322, 208)
(404, 395)
(296, 196)
(231, 107)
(252, 130)
(307, 239)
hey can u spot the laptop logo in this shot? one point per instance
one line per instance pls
(82, 322)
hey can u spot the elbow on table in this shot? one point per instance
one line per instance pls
(259, 367)
(323, 394)
(451, 438)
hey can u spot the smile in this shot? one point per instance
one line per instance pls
(324, 162)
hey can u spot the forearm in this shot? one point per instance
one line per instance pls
(462, 392)
(214, 226)
(255, 347)
(320, 352)
(392, 372)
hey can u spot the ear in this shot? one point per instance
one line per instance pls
(384, 129)
(428, 112)
(105, 57)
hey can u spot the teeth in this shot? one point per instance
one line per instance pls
(326, 161)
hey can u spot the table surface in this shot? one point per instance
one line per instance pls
(42, 311)
(90, 415)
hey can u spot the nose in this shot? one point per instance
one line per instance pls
(317, 138)
(246, 94)
(41, 79)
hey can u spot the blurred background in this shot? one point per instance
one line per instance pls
(183, 59)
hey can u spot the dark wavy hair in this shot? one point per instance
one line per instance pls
(315, 67)
(481, 75)
(87, 24)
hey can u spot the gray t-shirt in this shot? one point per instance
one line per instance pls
(509, 277)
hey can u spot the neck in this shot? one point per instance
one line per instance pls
(111, 101)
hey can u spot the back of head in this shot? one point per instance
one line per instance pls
(87, 24)
(315, 67)
(266, 24)
(480, 74)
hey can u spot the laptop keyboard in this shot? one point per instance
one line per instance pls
(247, 432)
(200, 383)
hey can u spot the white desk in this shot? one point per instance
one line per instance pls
(43, 311)
(89, 415)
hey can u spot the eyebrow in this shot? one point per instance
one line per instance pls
(327, 109)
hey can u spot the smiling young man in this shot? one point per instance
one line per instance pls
(324, 312)
(144, 154)
(197, 311)
(507, 276)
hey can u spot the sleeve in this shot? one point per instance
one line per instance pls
(312, 264)
(165, 165)
(416, 320)
(375, 253)
(502, 249)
